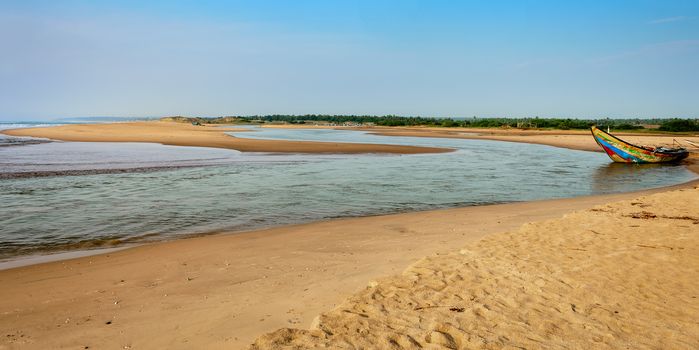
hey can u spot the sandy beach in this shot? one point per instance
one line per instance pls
(611, 271)
(573, 139)
(616, 276)
(359, 175)
(223, 291)
(181, 134)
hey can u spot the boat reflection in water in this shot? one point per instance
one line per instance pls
(608, 178)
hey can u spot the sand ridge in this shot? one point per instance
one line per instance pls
(180, 134)
(621, 275)
(573, 139)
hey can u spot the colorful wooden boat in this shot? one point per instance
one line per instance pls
(623, 152)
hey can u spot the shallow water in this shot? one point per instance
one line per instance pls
(60, 158)
(6, 140)
(198, 190)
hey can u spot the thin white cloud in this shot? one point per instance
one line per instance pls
(668, 20)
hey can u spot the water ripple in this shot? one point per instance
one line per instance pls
(96, 209)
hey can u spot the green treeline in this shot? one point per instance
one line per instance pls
(672, 125)
(678, 125)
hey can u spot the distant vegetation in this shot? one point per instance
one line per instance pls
(178, 119)
(679, 125)
(672, 125)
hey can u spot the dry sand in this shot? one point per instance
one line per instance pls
(223, 291)
(220, 292)
(179, 134)
(618, 276)
(573, 139)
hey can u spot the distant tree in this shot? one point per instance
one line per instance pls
(395, 120)
(449, 123)
(679, 125)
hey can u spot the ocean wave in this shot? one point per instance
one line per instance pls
(14, 125)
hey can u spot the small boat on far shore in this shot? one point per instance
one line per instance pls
(621, 151)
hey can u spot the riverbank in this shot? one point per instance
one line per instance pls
(573, 139)
(180, 134)
(223, 291)
(619, 275)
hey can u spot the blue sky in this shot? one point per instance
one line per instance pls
(521, 58)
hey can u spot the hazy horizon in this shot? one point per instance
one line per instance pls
(626, 59)
(118, 118)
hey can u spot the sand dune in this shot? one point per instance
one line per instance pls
(622, 275)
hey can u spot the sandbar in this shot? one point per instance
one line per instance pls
(180, 134)
(225, 291)
(572, 139)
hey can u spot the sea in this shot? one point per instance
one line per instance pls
(58, 197)
(6, 140)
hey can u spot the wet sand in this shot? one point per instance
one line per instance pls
(220, 292)
(224, 291)
(573, 139)
(179, 134)
(617, 276)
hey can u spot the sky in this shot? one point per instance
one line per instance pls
(519, 58)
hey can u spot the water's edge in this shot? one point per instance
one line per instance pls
(24, 260)
(29, 260)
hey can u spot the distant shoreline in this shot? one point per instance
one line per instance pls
(580, 140)
(224, 290)
(184, 134)
(179, 134)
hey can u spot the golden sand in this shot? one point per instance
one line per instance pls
(552, 284)
(179, 134)
(617, 276)
(220, 292)
(573, 139)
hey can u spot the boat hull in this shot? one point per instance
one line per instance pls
(623, 152)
